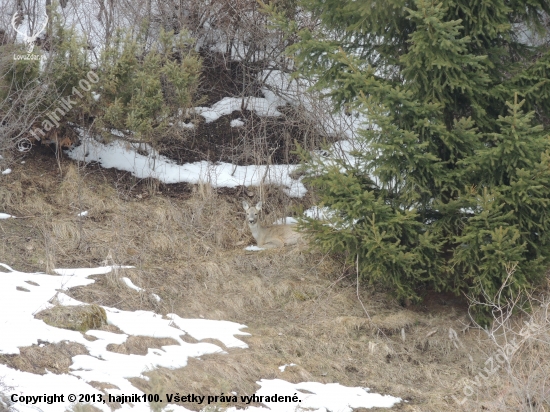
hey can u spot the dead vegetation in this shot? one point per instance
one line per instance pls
(300, 307)
(79, 318)
(140, 345)
(44, 357)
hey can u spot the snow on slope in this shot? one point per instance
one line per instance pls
(123, 156)
(22, 295)
(227, 105)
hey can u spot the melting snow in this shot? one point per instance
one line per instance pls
(236, 123)
(130, 284)
(282, 368)
(123, 156)
(319, 397)
(253, 248)
(22, 295)
(227, 105)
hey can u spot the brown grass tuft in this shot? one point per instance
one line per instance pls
(391, 323)
(55, 357)
(139, 345)
(79, 318)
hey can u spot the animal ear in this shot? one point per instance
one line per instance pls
(259, 206)
(245, 205)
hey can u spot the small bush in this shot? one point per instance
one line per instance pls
(146, 89)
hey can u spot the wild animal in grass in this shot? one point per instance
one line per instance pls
(270, 237)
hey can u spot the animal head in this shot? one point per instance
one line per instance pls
(252, 212)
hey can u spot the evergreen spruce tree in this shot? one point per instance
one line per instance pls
(143, 88)
(455, 184)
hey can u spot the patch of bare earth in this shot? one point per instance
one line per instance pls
(300, 306)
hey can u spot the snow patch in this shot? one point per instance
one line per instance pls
(236, 123)
(123, 156)
(282, 368)
(130, 284)
(319, 397)
(227, 105)
(22, 295)
(202, 329)
(253, 248)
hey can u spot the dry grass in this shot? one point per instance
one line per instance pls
(140, 345)
(79, 318)
(55, 357)
(301, 307)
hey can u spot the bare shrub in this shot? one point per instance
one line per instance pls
(516, 373)
(242, 56)
(21, 99)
